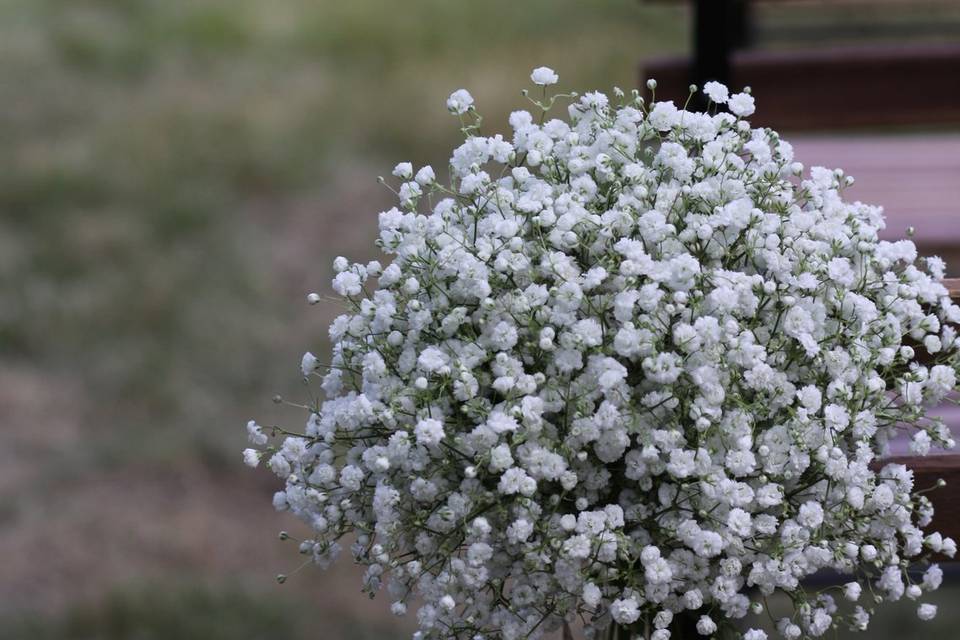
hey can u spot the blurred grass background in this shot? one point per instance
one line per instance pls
(174, 176)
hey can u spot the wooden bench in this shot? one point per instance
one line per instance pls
(903, 84)
(916, 177)
(832, 88)
(929, 469)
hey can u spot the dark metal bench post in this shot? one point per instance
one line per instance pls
(720, 27)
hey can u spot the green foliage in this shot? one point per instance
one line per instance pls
(152, 149)
(172, 174)
(163, 612)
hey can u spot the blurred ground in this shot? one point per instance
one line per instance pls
(174, 176)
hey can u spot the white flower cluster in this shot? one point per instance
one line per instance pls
(628, 366)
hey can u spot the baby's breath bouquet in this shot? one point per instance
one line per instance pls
(631, 371)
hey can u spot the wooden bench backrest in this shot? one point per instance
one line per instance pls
(929, 469)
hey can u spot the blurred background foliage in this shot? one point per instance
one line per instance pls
(155, 152)
(174, 176)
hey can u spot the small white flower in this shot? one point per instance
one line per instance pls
(949, 547)
(741, 104)
(851, 591)
(347, 283)
(251, 457)
(308, 364)
(811, 515)
(459, 102)
(933, 578)
(920, 444)
(499, 422)
(403, 170)
(716, 91)
(663, 619)
(279, 465)
(429, 432)
(425, 176)
(433, 359)
(544, 76)
(664, 116)
(519, 531)
(255, 434)
(625, 610)
(927, 611)
(591, 594)
(810, 397)
(706, 626)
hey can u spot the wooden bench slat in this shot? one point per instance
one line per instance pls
(915, 176)
(859, 78)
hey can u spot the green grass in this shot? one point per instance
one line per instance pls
(159, 614)
(151, 150)
(169, 612)
(174, 176)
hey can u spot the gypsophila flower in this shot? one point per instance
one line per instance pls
(459, 101)
(425, 176)
(716, 91)
(544, 76)
(251, 457)
(741, 104)
(927, 611)
(932, 578)
(851, 591)
(706, 626)
(403, 170)
(255, 434)
(625, 611)
(308, 363)
(631, 366)
(429, 432)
